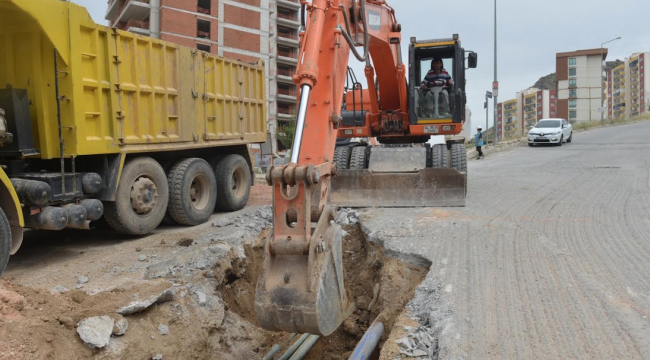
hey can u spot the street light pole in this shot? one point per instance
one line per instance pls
(602, 70)
(496, 94)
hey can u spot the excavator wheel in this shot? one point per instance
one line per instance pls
(342, 157)
(358, 158)
(459, 160)
(439, 156)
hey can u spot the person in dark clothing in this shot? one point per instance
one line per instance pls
(478, 141)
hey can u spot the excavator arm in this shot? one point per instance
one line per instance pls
(301, 286)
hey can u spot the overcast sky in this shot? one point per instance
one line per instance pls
(530, 34)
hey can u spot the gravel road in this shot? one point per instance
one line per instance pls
(549, 260)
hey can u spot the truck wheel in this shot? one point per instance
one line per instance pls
(233, 183)
(5, 241)
(141, 200)
(358, 158)
(459, 160)
(192, 191)
(439, 155)
(342, 157)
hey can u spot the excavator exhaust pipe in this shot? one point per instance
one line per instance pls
(304, 293)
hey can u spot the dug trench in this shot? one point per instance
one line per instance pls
(211, 314)
(381, 286)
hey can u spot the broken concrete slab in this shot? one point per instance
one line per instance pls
(141, 305)
(222, 222)
(163, 329)
(82, 279)
(95, 332)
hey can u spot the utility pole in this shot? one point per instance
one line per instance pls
(488, 95)
(495, 86)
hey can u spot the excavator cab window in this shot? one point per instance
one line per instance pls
(436, 104)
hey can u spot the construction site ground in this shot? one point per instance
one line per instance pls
(548, 260)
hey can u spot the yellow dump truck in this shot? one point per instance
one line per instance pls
(100, 122)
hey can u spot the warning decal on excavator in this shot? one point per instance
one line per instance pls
(374, 20)
(432, 129)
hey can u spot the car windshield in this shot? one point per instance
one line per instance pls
(545, 124)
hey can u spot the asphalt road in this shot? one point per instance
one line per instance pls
(549, 260)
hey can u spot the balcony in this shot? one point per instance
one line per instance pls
(290, 4)
(285, 76)
(288, 37)
(132, 9)
(287, 55)
(287, 95)
(288, 18)
(138, 26)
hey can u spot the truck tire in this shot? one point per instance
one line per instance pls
(439, 156)
(233, 183)
(342, 157)
(5, 241)
(141, 200)
(358, 158)
(459, 160)
(192, 191)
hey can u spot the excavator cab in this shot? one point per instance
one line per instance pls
(444, 104)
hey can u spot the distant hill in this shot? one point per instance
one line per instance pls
(546, 82)
(612, 64)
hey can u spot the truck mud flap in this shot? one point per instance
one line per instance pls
(424, 188)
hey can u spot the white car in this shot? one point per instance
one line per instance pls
(550, 131)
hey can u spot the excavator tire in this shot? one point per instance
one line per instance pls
(5, 241)
(459, 160)
(342, 157)
(439, 156)
(358, 158)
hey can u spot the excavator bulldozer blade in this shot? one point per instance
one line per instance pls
(426, 187)
(305, 293)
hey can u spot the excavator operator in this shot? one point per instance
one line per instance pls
(437, 81)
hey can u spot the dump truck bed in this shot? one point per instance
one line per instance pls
(123, 92)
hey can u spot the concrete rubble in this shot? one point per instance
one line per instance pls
(96, 331)
(120, 327)
(140, 305)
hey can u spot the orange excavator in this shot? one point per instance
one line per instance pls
(301, 286)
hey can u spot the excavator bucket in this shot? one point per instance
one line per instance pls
(305, 293)
(398, 177)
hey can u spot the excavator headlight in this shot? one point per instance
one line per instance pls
(447, 128)
(347, 132)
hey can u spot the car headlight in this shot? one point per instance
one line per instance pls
(555, 133)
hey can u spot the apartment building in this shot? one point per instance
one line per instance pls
(508, 112)
(627, 88)
(245, 30)
(535, 105)
(579, 84)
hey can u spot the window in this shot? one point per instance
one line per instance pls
(573, 93)
(573, 82)
(202, 28)
(572, 72)
(572, 61)
(539, 113)
(203, 47)
(204, 6)
(573, 115)
(539, 104)
(573, 103)
(552, 112)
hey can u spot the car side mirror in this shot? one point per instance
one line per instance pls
(472, 60)
(563, 126)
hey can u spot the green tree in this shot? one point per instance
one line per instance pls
(285, 133)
